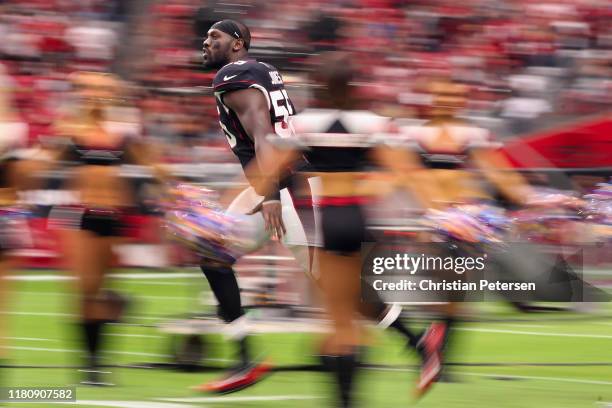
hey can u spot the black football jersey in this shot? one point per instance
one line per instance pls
(247, 74)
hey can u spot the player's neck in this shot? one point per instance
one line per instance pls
(238, 57)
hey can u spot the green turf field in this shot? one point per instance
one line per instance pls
(544, 360)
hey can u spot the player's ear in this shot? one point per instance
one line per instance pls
(238, 44)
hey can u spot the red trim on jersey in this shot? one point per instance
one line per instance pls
(241, 134)
(341, 201)
(234, 82)
(400, 233)
(302, 202)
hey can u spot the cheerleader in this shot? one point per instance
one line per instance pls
(95, 147)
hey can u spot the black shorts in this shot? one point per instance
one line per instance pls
(343, 228)
(104, 223)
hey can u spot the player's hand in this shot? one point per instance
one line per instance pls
(273, 216)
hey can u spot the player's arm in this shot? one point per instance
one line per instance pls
(147, 154)
(252, 109)
(406, 172)
(498, 170)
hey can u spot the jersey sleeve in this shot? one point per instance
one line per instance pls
(234, 77)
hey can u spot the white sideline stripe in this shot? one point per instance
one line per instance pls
(518, 377)
(58, 314)
(137, 296)
(43, 293)
(43, 314)
(530, 333)
(144, 336)
(134, 353)
(519, 332)
(144, 317)
(154, 283)
(242, 399)
(154, 297)
(56, 350)
(138, 276)
(156, 275)
(26, 339)
(59, 277)
(533, 377)
(38, 278)
(601, 272)
(131, 281)
(535, 326)
(151, 275)
(127, 404)
(170, 404)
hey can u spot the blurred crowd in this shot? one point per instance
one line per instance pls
(525, 65)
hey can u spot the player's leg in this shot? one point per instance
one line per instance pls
(4, 299)
(299, 217)
(86, 266)
(433, 343)
(431, 346)
(301, 224)
(224, 285)
(301, 193)
(343, 230)
(340, 285)
(387, 316)
(8, 179)
(92, 257)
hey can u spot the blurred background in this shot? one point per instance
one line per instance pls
(527, 66)
(536, 76)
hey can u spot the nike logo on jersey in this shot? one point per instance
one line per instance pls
(228, 77)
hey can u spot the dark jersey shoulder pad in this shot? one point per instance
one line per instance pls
(236, 76)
